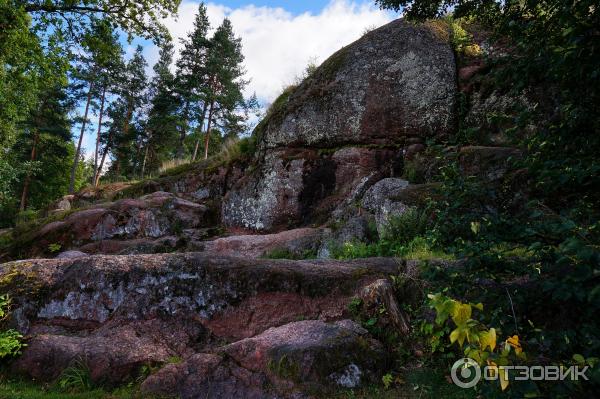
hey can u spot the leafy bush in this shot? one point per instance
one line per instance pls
(26, 217)
(10, 340)
(405, 227)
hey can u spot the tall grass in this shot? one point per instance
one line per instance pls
(171, 164)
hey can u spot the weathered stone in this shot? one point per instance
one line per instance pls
(64, 204)
(380, 295)
(375, 197)
(113, 353)
(114, 226)
(99, 288)
(114, 314)
(413, 150)
(71, 255)
(353, 229)
(395, 82)
(296, 242)
(313, 353)
(490, 114)
(386, 213)
(268, 199)
(207, 375)
(293, 187)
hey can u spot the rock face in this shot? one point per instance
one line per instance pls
(394, 87)
(314, 352)
(294, 187)
(295, 243)
(119, 313)
(299, 356)
(397, 81)
(112, 227)
(207, 375)
(114, 353)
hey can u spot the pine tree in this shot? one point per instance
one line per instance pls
(191, 81)
(133, 96)
(101, 48)
(163, 122)
(45, 147)
(108, 77)
(224, 79)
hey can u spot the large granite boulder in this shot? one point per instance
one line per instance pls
(345, 127)
(395, 82)
(304, 356)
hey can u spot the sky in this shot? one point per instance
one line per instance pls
(279, 38)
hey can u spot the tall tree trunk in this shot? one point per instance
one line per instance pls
(119, 154)
(103, 159)
(145, 157)
(25, 193)
(200, 132)
(186, 111)
(78, 151)
(208, 126)
(96, 153)
(136, 157)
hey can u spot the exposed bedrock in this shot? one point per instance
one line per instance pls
(116, 314)
(348, 124)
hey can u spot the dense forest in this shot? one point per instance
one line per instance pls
(431, 192)
(64, 68)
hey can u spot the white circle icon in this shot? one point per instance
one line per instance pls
(466, 373)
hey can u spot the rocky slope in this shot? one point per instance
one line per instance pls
(337, 157)
(240, 318)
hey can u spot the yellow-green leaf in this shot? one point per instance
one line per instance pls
(461, 313)
(459, 335)
(488, 339)
(579, 359)
(514, 342)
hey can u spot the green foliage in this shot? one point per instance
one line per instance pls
(403, 236)
(20, 389)
(76, 377)
(405, 227)
(387, 380)
(10, 340)
(53, 248)
(71, 19)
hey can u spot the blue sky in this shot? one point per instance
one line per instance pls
(279, 38)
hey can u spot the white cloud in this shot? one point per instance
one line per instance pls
(277, 44)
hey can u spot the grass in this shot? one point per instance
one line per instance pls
(170, 164)
(21, 389)
(417, 249)
(417, 383)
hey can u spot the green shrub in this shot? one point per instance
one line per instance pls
(25, 217)
(406, 227)
(10, 340)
